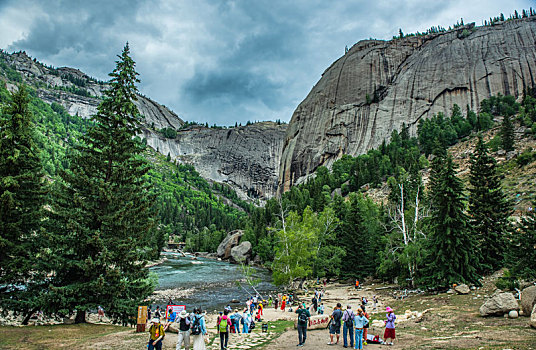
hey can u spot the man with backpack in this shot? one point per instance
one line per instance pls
(335, 324)
(223, 329)
(303, 320)
(348, 326)
(157, 334)
(184, 331)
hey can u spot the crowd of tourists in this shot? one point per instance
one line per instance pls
(192, 327)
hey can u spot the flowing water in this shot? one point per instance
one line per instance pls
(206, 283)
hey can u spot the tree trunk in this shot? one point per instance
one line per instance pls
(28, 316)
(80, 317)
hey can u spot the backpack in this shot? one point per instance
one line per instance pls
(223, 325)
(159, 332)
(252, 325)
(196, 326)
(302, 318)
(350, 321)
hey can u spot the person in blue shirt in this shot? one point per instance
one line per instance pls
(360, 321)
(199, 339)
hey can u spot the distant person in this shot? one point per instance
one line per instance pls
(246, 320)
(223, 329)
(198, 330)
(276, 302)
(270, 301)
(389, 334)
(321, 309)
(184, 331)
(359, 321)
(283, 302)
(158, 313)
(236, 318)
(157, 333)
(356, 284)
(335, 326)
(100, 313)
(365, 327)
(303, 320)
(348, 326)
(374, 302)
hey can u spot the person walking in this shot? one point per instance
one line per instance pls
(389, 334)
(198, 330)
(365, 327)
(100, 313)
(374, 302)
(276, 302)
(246, 320)
(303, 320)
(157, 333)
(223, 329)
(335, 326)
(235, 318)
(184, 331)
(359, 321)
(348, 326)
(356, 284)
(283, 302)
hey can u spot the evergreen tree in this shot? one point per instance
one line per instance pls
(22, 197)
(451, 248)
(488, 207)
(522, 255)
(507, 134)
(103, 212)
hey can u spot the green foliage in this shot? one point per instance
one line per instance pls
(488, 208)
(522, 252)
(103, 218)
(507, 134)
(168, 133)
(507, 281)
(526, 157)
(452, 255)
(22, 198)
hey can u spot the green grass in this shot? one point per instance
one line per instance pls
(54, 337)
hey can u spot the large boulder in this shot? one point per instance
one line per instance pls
(228, 243)
(499, 304)
(462, 289)
(528, 300)
(242, 252)
(533, 318)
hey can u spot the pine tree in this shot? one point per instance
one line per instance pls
(507, 134)
(22, 199)
(451, 248)
(522, 255)
(104, 218)
(488, 207)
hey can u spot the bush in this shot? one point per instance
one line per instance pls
(507, 281)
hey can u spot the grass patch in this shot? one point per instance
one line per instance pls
(54, 337)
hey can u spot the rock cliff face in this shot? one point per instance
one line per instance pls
(378, 85)
(58, 85)
(246, 157)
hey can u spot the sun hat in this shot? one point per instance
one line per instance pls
(155, 320)
(388, 309)
(183, 314)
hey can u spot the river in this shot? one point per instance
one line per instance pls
(206, 283)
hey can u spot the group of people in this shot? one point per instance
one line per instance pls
(192, 330)
(355, 326)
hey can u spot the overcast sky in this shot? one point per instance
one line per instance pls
(222, 61)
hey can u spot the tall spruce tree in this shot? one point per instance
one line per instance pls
(507, 134)
(522, 255)
(488, 208)
(22, 199)
(451, 248)
(104, 218)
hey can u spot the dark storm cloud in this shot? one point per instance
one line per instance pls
(221, 61)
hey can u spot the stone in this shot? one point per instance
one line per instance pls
(499, 304)
(528, 299)
(513, 314)
(532, 322)
(242, 252)
(228, 243)
(378, 85)
(462, 289)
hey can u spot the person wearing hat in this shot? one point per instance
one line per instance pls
(348, 326)
(184, 331)
(157, 334)
(389, 326)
